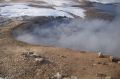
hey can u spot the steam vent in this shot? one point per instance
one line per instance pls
(59, 39)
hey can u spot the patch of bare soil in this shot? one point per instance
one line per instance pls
(97, 14)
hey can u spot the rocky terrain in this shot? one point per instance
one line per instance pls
(21, 60)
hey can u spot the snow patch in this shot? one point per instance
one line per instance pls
(61, 2)
(74, 10)
(105, 1)
(18, 10)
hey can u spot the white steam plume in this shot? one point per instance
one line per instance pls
(91, 35)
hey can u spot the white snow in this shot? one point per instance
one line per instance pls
(105, 1)
(17, 10)
(61, 8)
(61, 2)
(74, 10)
(7, 0)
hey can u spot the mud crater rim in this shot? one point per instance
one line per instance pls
(39, 22)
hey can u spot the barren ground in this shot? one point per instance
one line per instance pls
(14, 65)
(82, 64)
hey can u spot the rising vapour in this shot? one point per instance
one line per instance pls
(79, 34)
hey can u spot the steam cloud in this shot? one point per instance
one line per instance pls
(82, 34)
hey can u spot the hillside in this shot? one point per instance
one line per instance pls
(29, 59)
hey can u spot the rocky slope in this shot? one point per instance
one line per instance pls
(20, 60)
(23, 61)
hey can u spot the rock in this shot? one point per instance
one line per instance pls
(66, 78)
(74, 77)
(118, 62)
(100, 55)
(94, 64)
(34, 57)
(108, 77)
(102, 63)
(111, 58)
(2, 78)
(39, 59)
(101, 76)
(31, 55)
(58, 76)
(98, 62)
(114, 59)
(63, 56)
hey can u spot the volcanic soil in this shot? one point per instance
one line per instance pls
(18, 60)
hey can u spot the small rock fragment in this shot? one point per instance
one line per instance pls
(118, 62)
(30, 53)
(114, 59)
(66, 78)
(111, 58)
(39, 59)
(108, 77)
(58, 76)
(100, 55)
(101, 76)
(63, 56)
(1, 78)
(103, 63)
(74, 77)
(94, 64)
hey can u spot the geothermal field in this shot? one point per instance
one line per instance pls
(59, 39)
